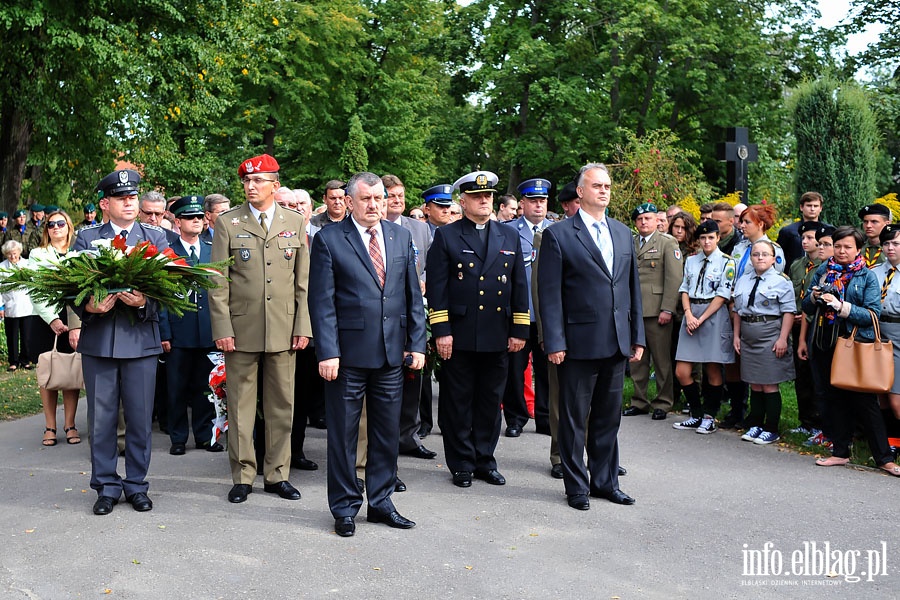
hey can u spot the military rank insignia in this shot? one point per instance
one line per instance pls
(245, 254)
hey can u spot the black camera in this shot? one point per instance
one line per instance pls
(824, 289)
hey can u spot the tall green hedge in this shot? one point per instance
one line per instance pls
(837, 139)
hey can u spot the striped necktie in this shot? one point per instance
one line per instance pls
(887, 282)
(375, 255)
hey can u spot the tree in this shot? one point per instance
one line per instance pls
(354, 157)
(837, 138)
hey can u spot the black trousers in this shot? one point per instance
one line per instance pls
(309, 394)
(590, 391)
(472, 385)
(18, 337)
(515, 409)
(426, 400)
(188, 388)
(409, 410)
(807, 407)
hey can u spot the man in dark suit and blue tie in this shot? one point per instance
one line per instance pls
(119, 343)
(367, 320)
(188, 340)
(590, 303)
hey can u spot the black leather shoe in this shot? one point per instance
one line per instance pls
(399, 486)
(615, 496)
(283, 489)
(140, 502)
(579, 502)
(556, 472)
(493, 477)
(391, 519)
(420, 452)
(304, 464)
(622, 471)
(213, 447)
(239, 493)
(361, 485)
(177, 449)
(104, 505)
(658, 414)
(543, 429)
(423, 433)
(462, 479)
(344, 526)
(513, 431)
(319, 424)
(633, 411)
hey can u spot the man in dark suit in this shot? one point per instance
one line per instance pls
(188, 340)
(478, 309)
(811, 204)
(590, 303)
(335, 205)
(367, 318)
(410, 443)
(119, 343)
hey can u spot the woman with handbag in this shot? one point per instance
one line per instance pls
(844, 294)
(56, 239)
(886, 273)
(18, 311)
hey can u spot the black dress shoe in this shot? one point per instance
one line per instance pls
(391, 519)
(579, 502)
(615, 496)
(658, 414)
(543, 429)
(344, 526)
(319, 424)
(239, 493)
(622, 471)
(556, 472)
(361, 485)
(140, 502)
(462, 479)
(420, 452)
(177, 449)
(399, 486)
(211, 447)
(513, 431)
(283, 489)
(104, 505)
(633, 411)
(304, 464)
(423, 433)
(492, 476)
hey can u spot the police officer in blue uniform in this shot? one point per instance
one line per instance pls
(438, 200)
(478, 309)
(119, 343)
(188, 340)
(533, 193)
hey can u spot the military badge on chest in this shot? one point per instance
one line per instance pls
(245, 254)
(288, 253)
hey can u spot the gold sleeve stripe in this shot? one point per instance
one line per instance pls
(521, 319)
(438, 317)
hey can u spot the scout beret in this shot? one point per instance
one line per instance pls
(708, 226)
(824, 231)
(875, 209)
(646, 207)
(568, 193)
(808, 226)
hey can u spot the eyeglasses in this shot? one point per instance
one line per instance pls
(760, 255)
(247, 180)
(55, 224)
(158, 215)
(191, 217)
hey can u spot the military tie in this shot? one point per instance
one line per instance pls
(643, 241)
(375, 255)
(262, 222)
(752, 298)
(887, 283)
(699, 285)
(193, 259)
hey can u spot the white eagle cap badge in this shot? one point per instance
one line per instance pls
(123, 176)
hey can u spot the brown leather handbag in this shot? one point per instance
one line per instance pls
(59, 371)
(866, 367)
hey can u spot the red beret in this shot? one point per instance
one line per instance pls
(258, 164)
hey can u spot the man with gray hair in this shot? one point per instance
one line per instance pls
(285, 198)
(152, 211)
(304, 203)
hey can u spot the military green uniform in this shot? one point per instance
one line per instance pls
(872, 254)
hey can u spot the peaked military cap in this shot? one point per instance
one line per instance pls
(534, 188)
(119, 183)
(441, 194)
(477, 181)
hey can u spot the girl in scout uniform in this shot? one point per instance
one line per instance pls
(755, 222)
(886, 273)
(764, 308)
(706, 334)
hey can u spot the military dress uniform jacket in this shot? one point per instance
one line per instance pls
(264, 305)
(421, 237)
(193, 329)
(480, 297)
(113, 334)
(660, 270)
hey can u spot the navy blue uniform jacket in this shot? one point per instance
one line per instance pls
(193, 329)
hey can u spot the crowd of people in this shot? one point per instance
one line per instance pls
(321, 317)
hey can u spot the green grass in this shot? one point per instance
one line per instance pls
(19, 395)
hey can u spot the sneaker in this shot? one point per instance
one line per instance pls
(767, 437)
(708, 425)
(752, 434)
(816, 439)
(692, 423)
(801, 429)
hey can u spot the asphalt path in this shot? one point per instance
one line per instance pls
(707, 506)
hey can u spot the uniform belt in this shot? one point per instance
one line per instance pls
(888, 319)
(701, 300)
(759, 318)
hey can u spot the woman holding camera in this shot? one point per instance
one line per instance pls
(841, 295)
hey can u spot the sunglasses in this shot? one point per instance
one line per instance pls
(192, 217)
(55, 224)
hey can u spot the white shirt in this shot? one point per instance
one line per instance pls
(604, 234)
(270, 214)
(188, 246)
(365, 237)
